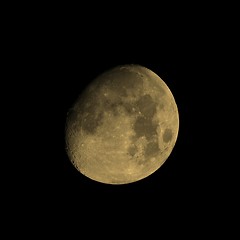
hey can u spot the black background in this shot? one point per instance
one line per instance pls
(54, 58)
(64, 73)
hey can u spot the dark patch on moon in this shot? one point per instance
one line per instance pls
(123, 81)
(130, 80)
(144, 127)
(132, 150)
(147, 106)
(167, 136)
(92, 118)
(129, 107)
(112, 105)
(92, 121)
(151, 149)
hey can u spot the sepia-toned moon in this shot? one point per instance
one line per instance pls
(123, 127)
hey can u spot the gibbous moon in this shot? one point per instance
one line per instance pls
(123, 127)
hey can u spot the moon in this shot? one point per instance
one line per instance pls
(123, 127)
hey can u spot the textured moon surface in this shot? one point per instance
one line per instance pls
(123, 127)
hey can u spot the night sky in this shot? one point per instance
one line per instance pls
(55, 67)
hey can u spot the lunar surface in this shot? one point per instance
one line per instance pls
(123, 127)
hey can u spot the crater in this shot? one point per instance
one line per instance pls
(167, 136)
